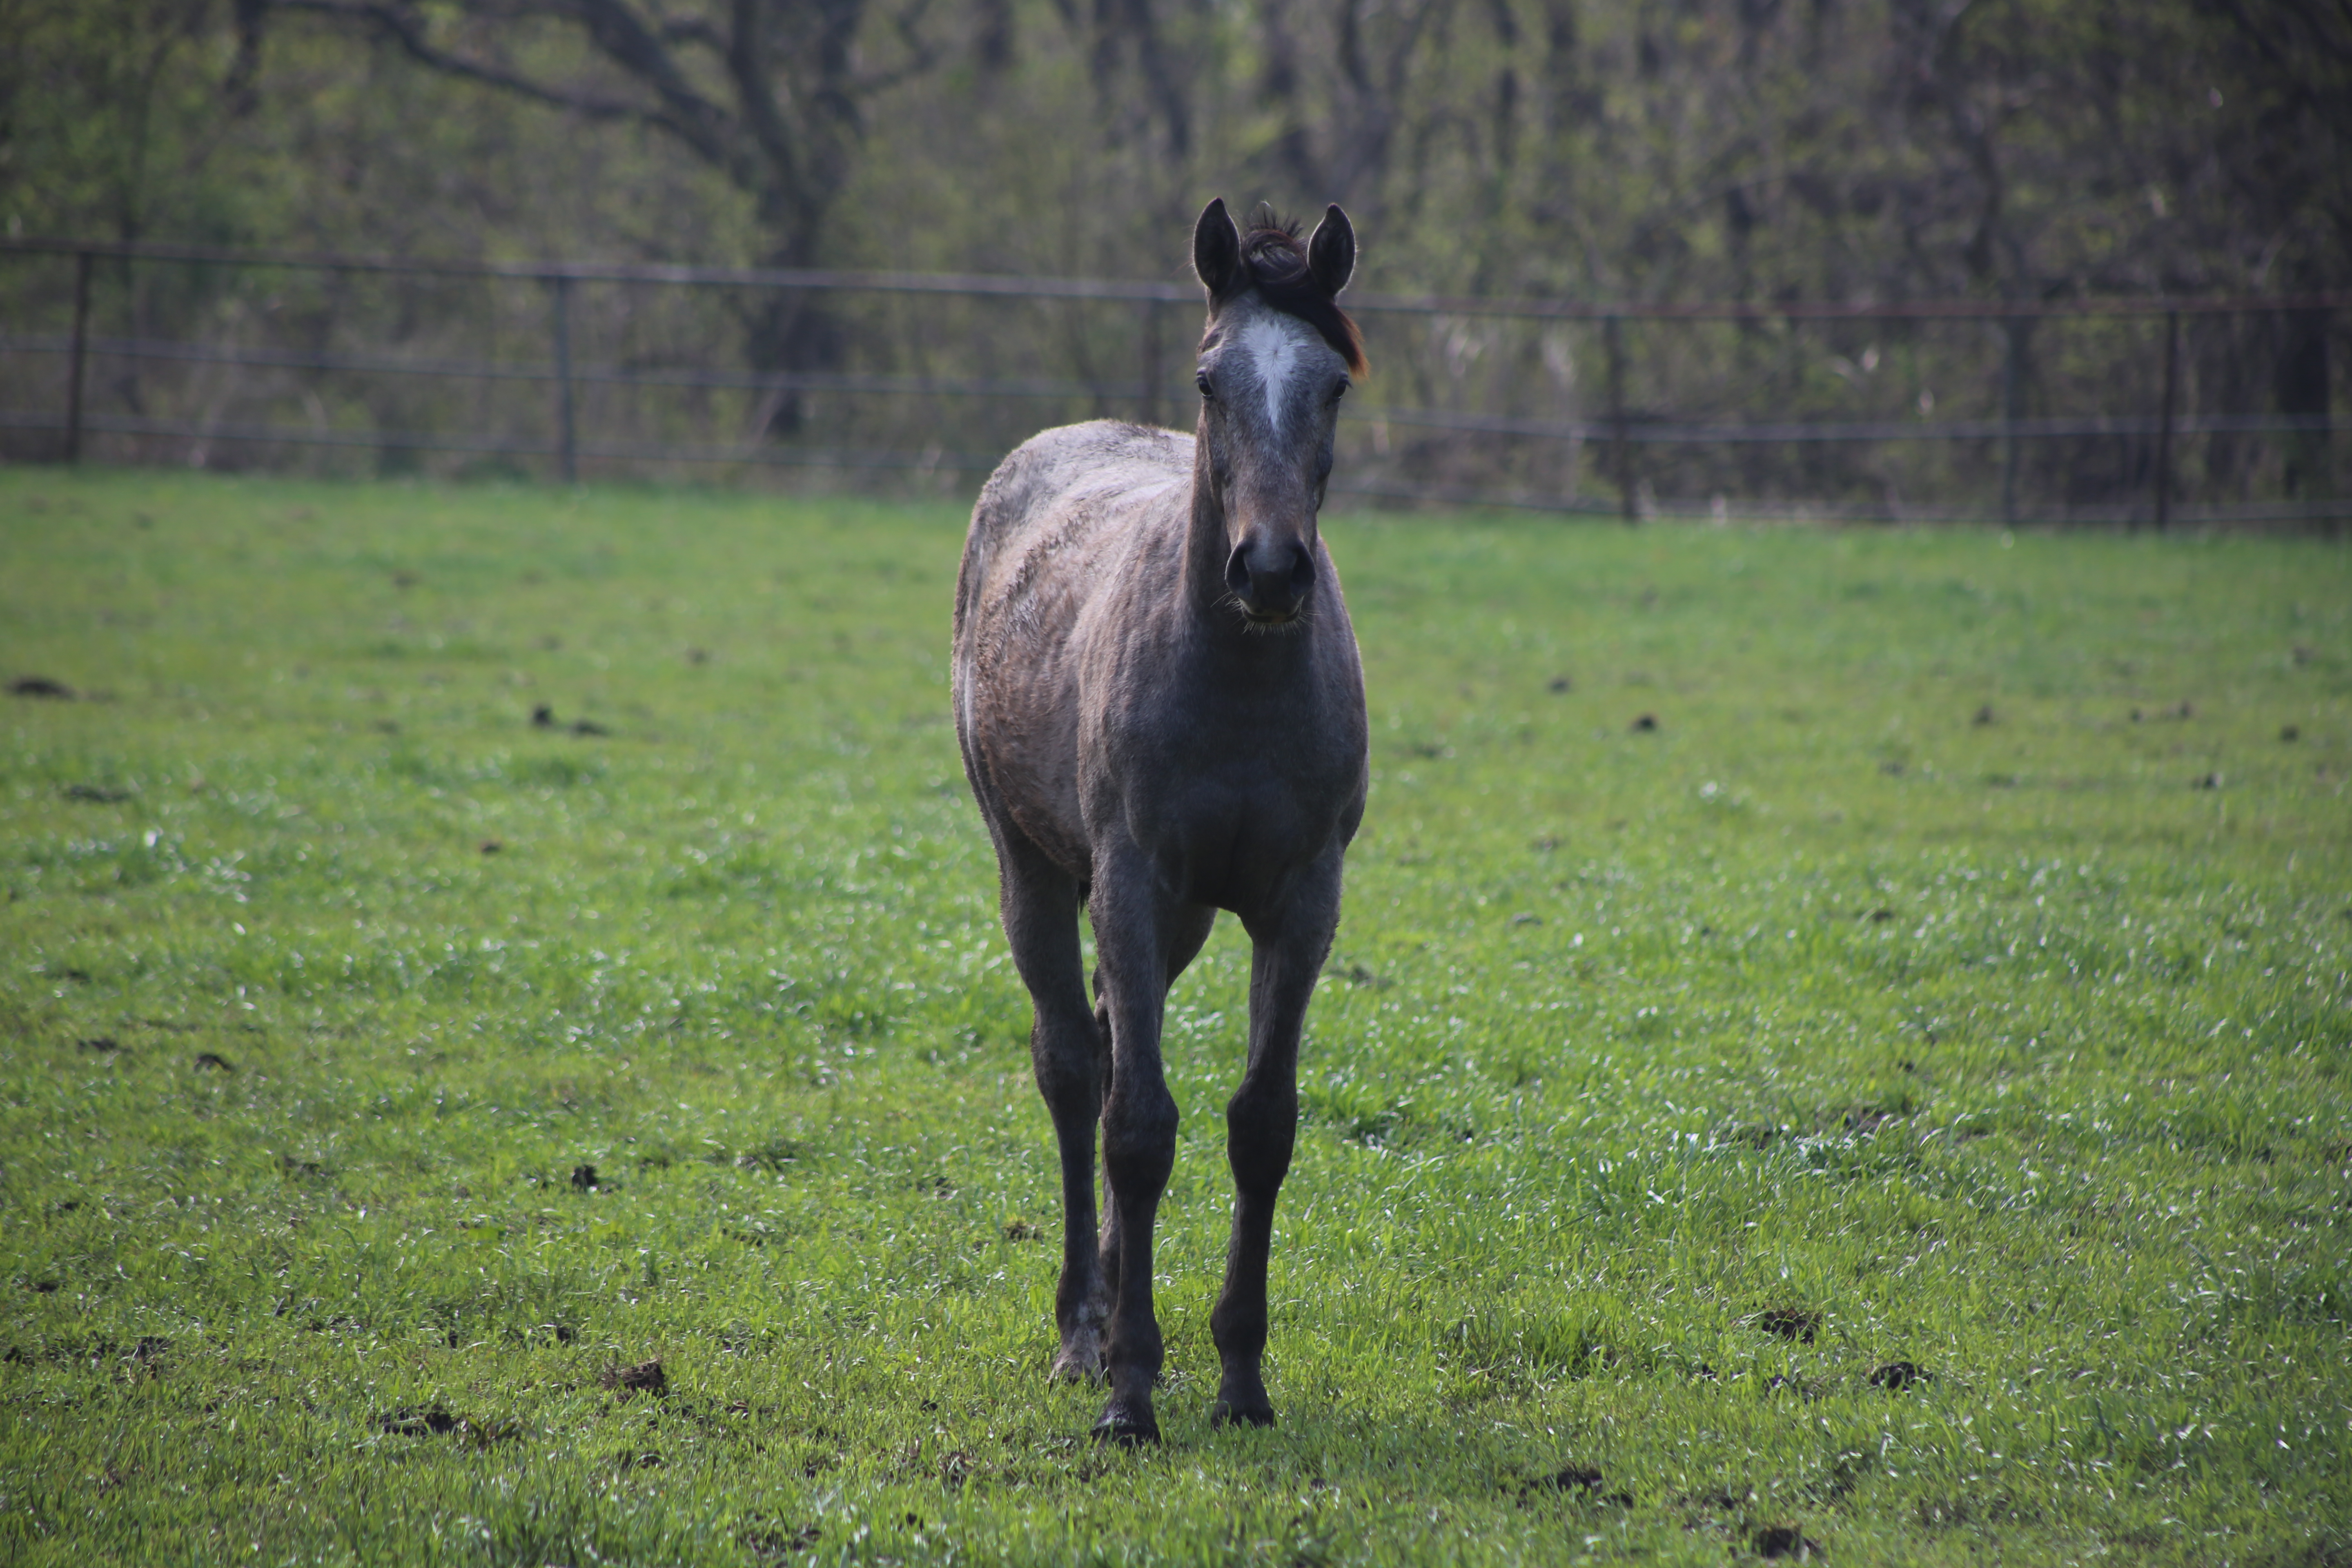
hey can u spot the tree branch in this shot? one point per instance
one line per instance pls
(691, 30)
(754, 95)
(782, 126)
(921, 53)
(408, 28)
(628, 43)
(1280, 82)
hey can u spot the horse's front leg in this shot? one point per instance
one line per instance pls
(1065, 1050)
(1261, 1127)
(1131, 923)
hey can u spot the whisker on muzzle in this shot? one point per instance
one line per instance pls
(1267, 625)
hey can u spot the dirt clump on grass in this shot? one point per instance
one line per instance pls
(409, 1422)
(1582, 1481)
(1568, 1479)
(1797, 1323)
(770, 1544)
(435, 1421)
(1786, 1541)
(543, 717)
(646, 1377)
(1897, 1374)
(41, 686)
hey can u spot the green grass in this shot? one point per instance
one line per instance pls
(2004, 1048)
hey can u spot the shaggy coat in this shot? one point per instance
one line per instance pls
(1163, 715)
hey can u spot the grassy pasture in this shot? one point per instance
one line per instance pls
(1668, 1083)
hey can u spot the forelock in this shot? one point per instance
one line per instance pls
(1273, 262)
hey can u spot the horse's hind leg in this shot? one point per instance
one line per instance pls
(1261, 1127)
(1040, 906)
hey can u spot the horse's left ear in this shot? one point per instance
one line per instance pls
(1331, 254)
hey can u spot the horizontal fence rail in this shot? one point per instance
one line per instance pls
(1767, 408)
(1010, 286)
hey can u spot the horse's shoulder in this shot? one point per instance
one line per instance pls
(1067, 485)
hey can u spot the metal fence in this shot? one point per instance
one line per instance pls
(2156, 411)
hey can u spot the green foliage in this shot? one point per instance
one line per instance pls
(382, 1073)
(2025, 149)
(1725, 149)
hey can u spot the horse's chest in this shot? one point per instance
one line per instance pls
(1228, 795)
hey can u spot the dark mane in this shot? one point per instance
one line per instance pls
(1273, 262)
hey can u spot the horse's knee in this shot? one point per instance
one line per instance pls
(1140, 1141)
(1069, 1073)
(1261, 1127)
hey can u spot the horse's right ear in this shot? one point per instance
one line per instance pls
(1216, 249)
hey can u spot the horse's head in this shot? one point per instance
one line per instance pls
(1275, 363)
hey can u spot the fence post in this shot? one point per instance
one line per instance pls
(2012, 407)
(1148, 389)
(2164, 428)
(1621, 455)
(567, 439)
(80, 355)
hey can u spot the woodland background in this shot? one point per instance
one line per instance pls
(1762, 151)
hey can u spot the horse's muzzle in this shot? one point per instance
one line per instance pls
(1270, 578)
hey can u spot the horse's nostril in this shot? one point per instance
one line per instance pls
(1237, 572)
(1302, 570)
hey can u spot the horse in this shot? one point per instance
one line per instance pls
(1162, 712)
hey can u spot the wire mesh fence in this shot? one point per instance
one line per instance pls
(2110, 411)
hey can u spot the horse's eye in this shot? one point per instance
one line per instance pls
(1202, 381)
(1339, 392)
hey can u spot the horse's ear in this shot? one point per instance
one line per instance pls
(1216, 249)
(1331, 254)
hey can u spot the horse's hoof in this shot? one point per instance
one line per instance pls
(1225, 1413)
(1127, 1428)
(1081, 1358)
(1081, 1366)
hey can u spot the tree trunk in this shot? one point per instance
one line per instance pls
(2299, 381)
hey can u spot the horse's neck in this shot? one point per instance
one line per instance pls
(1205, 547)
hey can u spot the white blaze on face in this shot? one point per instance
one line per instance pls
(1275, 346)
